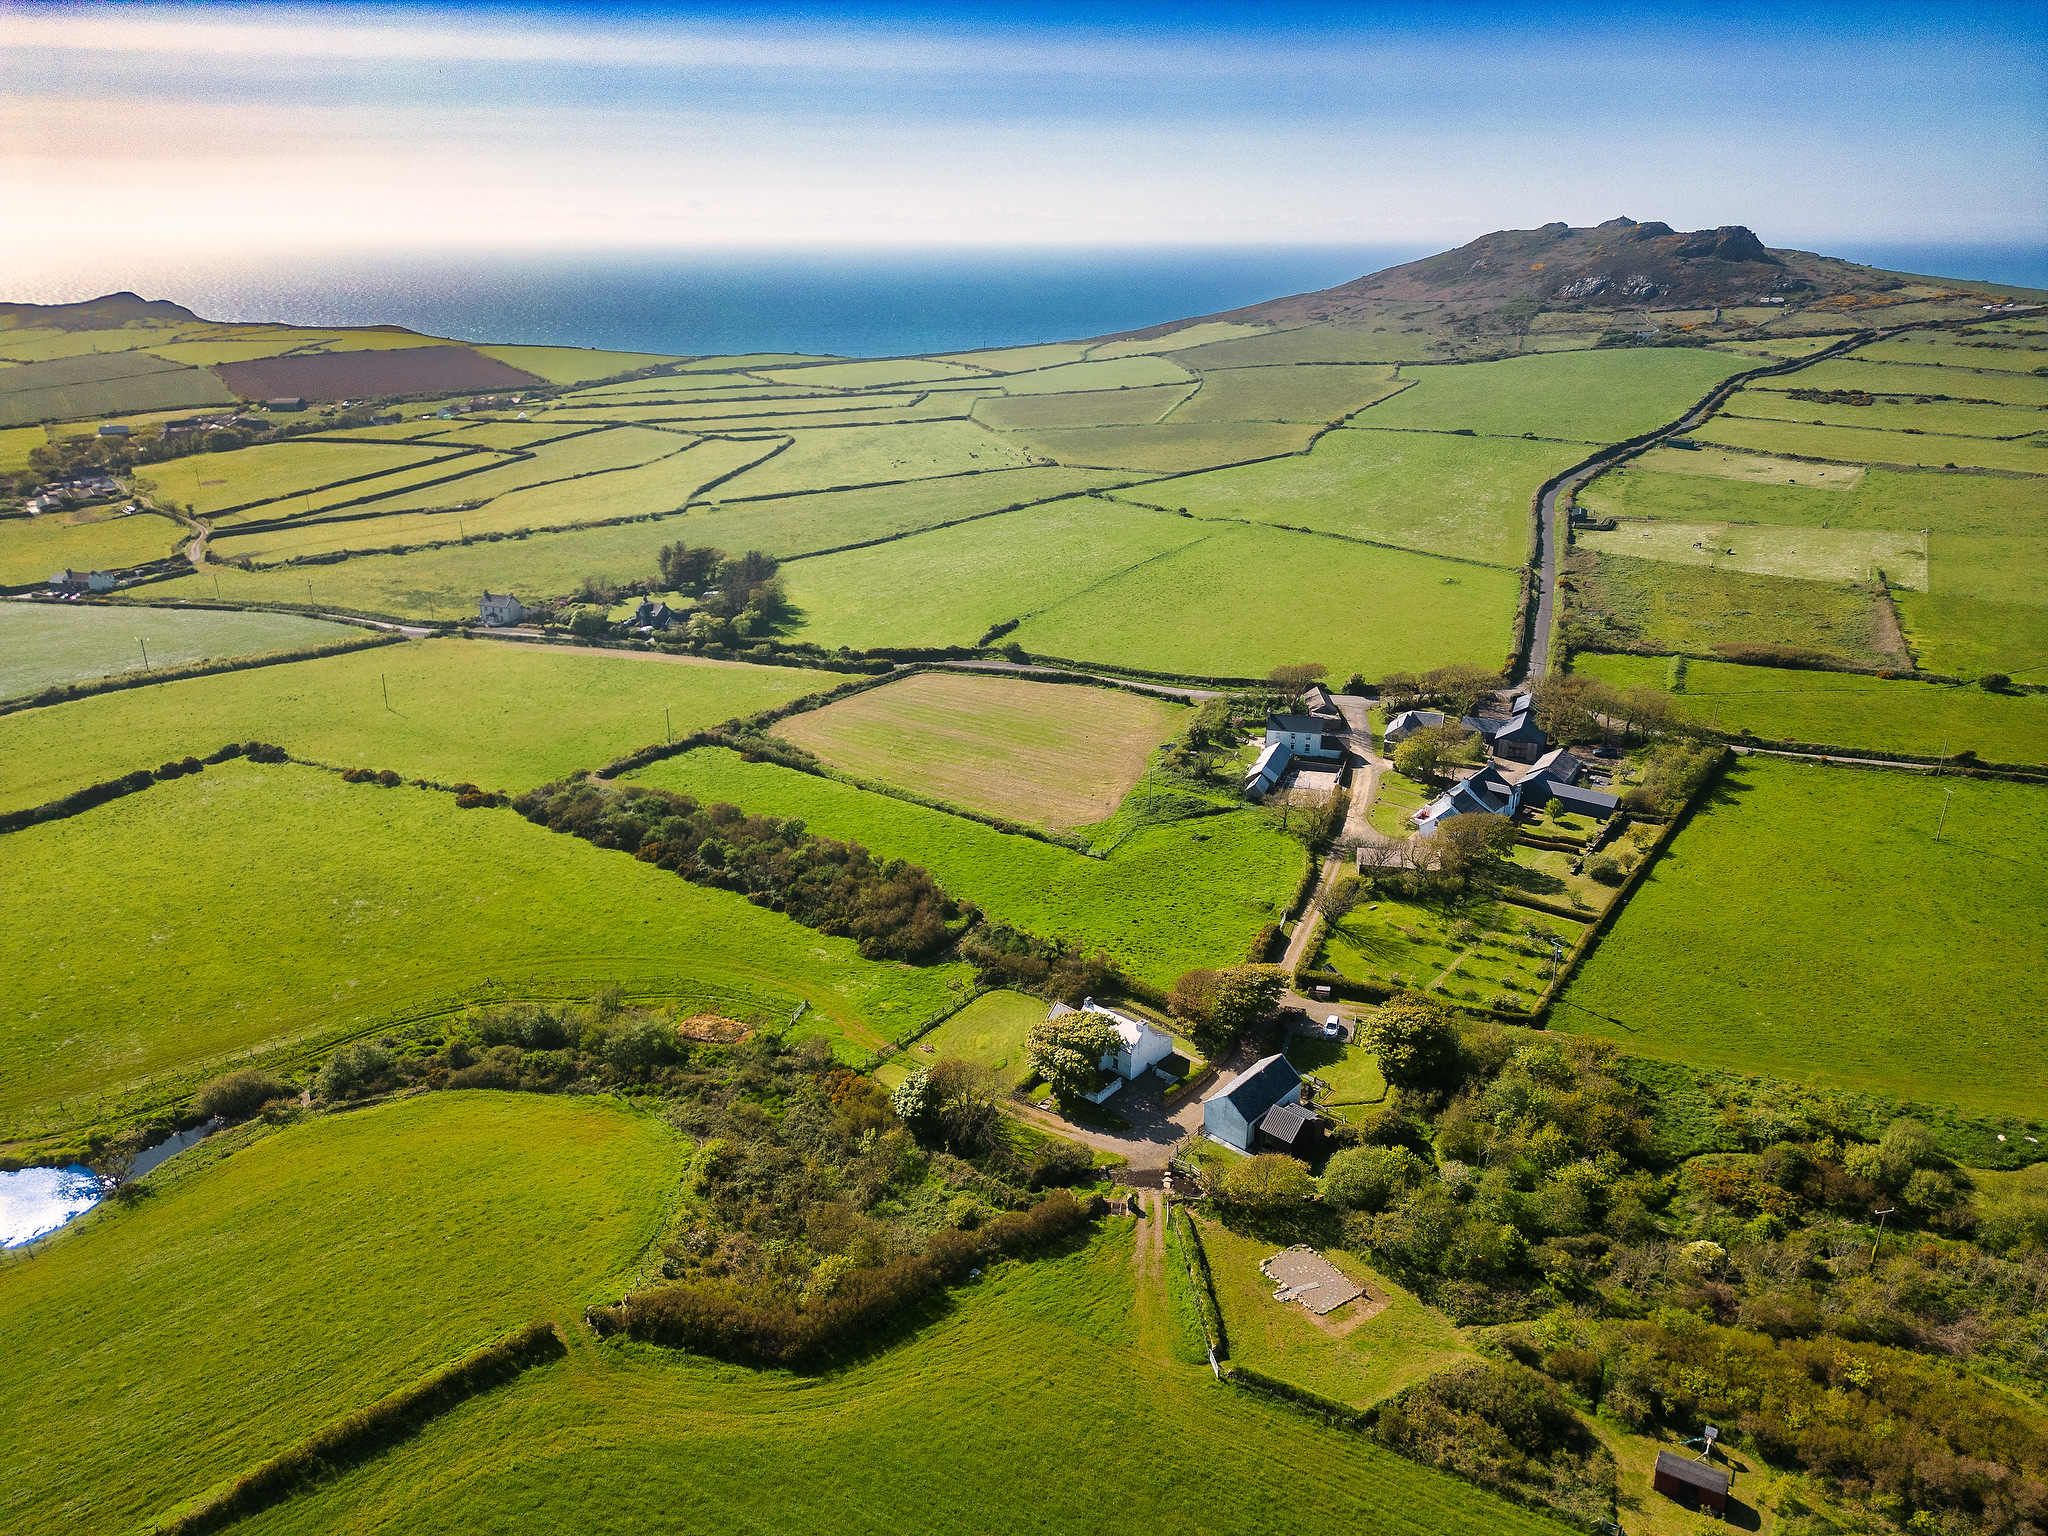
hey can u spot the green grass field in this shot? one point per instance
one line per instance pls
(1044, 753)
(15, 445)
(1115, 373)
(1852, 445)
(268, 472)
(1892, 414)
(1809, 554)
(360, 907)
(865, 375)
(163, 1348)
(1177, 340)
(1877, 957)
(1598, 397)
(989, 1031)
(32, 548)
(501, 714)
(1669, 483)
(824, 458)
(1967, 637)
(71, 388)
(1356, 1362)
(42, 644)
(1904, 382)
(573, 365)
(1950, 350)
(1992, 568)
(1108, 407)
(1843, 709)
(1429, 947)
(1170, 448)
(1170, 898)
(1212, 609)
(1035, 1360)
(1307, 393)
(1417, 490)
(1692, 609)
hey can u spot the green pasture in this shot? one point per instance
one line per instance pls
(16, 443)
(1177, 340)
(279, 907)
(69, 388)
(822, 407)
(573, 365)
(1108, 407)
(1417, 490)
(1213, 608)
(31, 549)
(1470, 950)
(43, 644)
(501, 714)
(1968, 637)
(1852, 445)
(1595, 397)
(951, 585)
(587, 453)
(1021, 359)
(37, 344)
(1170, 898)
(1902, 381)
(1874, 955)
(1843, 709)
(1662, 485)
(954, 406)
(1310, 392)
(989, 1032)
(1991, 568)
(1167, 448)
(1120, 373)
(1773, 348)
(1808, 554)
(270, 472)
(1356, 1362)
(1693, 609)
(267, 1284)
(1890, 414)
(1035, 1360)
(875, 375)
(822, 458)
(664, 486)
(1304, 344)
(2013, 354)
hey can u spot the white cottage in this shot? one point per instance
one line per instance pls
(497, 609)
(1136, 1046)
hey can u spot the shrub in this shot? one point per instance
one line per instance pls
(1367, 1178)
(1416, 1042)
(1270, 1183)
(353, 1071)
(264, 752)
(1606, 868)
(1060, 1163)
(238, 1095)
(1994, 682)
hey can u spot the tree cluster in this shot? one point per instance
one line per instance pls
(894, 909)
(1455, 689)
(1218, 1006)
(741, 594)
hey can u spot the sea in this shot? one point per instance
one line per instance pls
(855, 303)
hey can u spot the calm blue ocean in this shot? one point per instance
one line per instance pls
(852, 303)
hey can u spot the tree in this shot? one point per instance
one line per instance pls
(1994, 682)
(1461, 686)
(1649, 710)
(1343, 895)
(353, 1070)
(1067, 1052)
(1468, 845)
(966, 1095)
(686, 569)
(1218, 1006)
(589, 622)
(238, 1095)
(1293, 680)
(1553, 807)
(1569, 707)
(1271, 1182)
(1369, 1178)
(915, 1103)
(1417, 755)
(1415, 1041)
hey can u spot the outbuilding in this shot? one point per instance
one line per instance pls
(1232, 1113)
(1691, 1482)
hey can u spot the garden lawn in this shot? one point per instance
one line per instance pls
(1352, 1071)
(497, 713)
(260, 906)
(1397, 799)
(1416, 490)
(1218, 608)
(31, 549)
(1875, 957)
(1047, 753)
(989, 1032)
(269, 1284)
(1035, 1360)
(1852, 710)
(1171, 897)
(1369, 1362)
(44, 644)
(1598, 397)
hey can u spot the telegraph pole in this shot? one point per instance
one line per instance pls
(145, 651)
(1946, 796)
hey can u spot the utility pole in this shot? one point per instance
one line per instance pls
(216, 584)
(1946, 796)
(386, 685)
(145, 651)
(1887, 1211)
(1944, 758)
(668, 731)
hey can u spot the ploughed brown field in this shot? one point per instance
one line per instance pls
(1055, 754)
(352, 375)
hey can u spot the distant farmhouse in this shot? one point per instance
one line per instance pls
(1315, 735)
(1136, 1046)
(651, 615)
(1260, 1110)
(1409, 721)
(82, 581)
(497, 609)
(1554, 776)
(1520, 739)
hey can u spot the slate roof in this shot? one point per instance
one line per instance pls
(1259, 1086)
(1559, 763)
(1288, 1123)
(1695, 1474)
(1309, 725)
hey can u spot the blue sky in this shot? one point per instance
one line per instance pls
(319, 128)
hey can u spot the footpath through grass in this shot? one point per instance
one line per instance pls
(1169, 898)
(991, 1415)
(1809, 924)
(501, 714)
(264, 1285)
(252, 906)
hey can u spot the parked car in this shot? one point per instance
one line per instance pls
(1333, 1027)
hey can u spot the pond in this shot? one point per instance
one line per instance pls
(35, 1202)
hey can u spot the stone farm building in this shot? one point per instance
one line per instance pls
(1259, 1110)
(82, 581)
(1553, 777)
(1315, 735)
(1136, 1046)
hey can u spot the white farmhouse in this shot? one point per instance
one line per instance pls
(497, 609)
(1136, 1046)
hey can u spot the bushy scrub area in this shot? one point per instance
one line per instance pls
(1839, 709)
(364, 908)
(45, 645)
(502, 715)
(210, 1319)
(1809, 976)
(1169, 897)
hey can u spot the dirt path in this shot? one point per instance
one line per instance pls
(1151, 1318)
